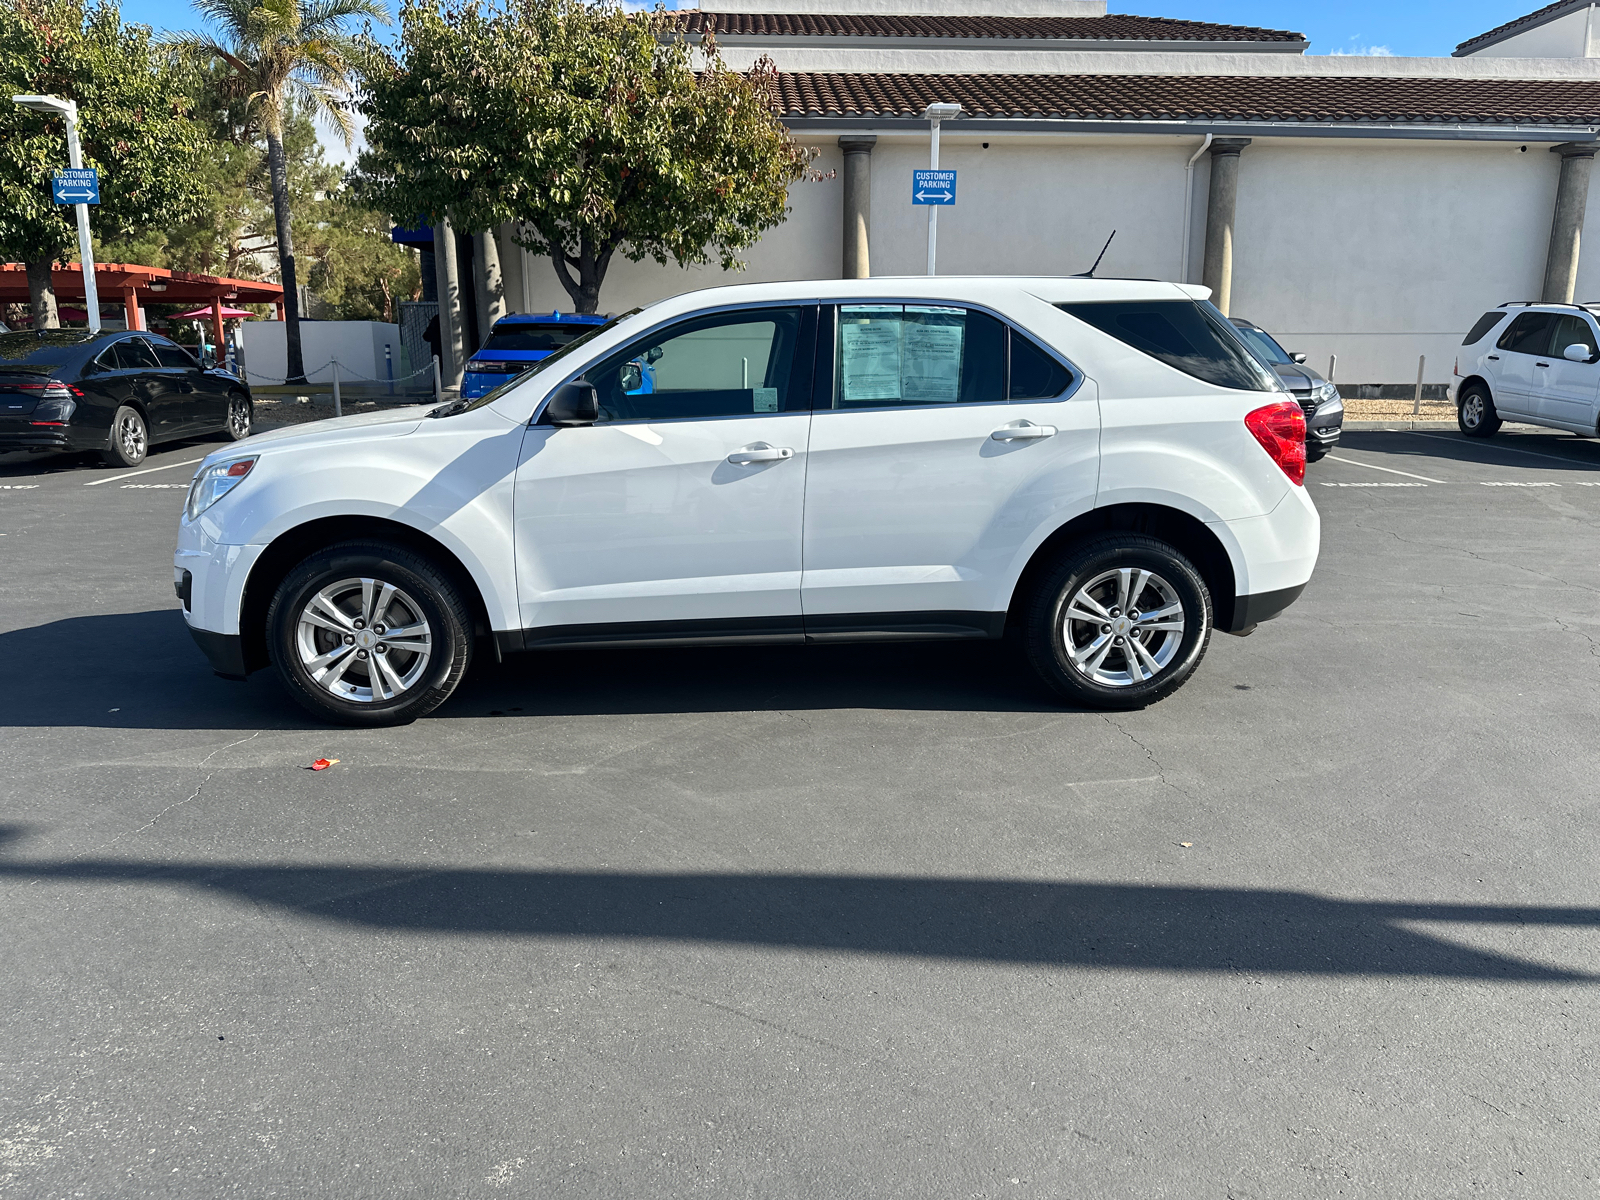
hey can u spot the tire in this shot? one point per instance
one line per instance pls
(129, 440)
(241, 417)
(1476, 412)
(1315, 452)
(1092, 573)
(335, 595)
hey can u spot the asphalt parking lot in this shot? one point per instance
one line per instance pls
(822, 922)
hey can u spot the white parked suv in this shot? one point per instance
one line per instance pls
(1100, 466)
(1535, 363)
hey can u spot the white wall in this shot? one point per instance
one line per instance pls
(1373, 250)
(358, 345)
(1561, 38)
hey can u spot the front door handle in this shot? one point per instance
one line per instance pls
(1022, 431)
(759, 453)
(1494, 358)
(1540, 364)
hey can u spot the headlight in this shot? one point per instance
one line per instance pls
(1328, 392)
(215, 482)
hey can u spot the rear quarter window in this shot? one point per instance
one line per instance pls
(1185, 334)
(1485, 323)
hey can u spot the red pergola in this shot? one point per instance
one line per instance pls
(135, 285)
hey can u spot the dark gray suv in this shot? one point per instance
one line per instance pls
(1317, 397)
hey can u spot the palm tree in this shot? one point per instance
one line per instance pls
(286, 52)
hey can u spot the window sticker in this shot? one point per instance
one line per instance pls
(912, 356)
(766, 399)
(869, 355)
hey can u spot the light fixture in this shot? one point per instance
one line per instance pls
(942, 112)
(157, 287)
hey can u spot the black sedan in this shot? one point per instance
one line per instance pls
(114, 393)
(1317, 397)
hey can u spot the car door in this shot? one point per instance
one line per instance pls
(1524, 348)
(166, 410)
(678, 513)
(204, 402)
(1570, 388)
(943, 440)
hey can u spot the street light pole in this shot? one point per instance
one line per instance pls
(69, 110)
(935, 113)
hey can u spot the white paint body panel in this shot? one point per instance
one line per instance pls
(643, 521)
(1559, 395)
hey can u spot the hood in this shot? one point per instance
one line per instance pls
(1297, 378)
(393, 422)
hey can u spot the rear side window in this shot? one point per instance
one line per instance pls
(1485, 323)
(1034, 374)
(1185, 334)
(135, 355)
(540, 338)
(894, 354)
(1529, 333)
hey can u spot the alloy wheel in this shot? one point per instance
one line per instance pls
(239, 417)
(363, 640)
(131, 437)
(1472, 411)
(1123, 627)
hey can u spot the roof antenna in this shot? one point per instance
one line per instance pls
(1089, 274)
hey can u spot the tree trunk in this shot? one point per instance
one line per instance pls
(278, 170)
(42, 296)
(592, 263)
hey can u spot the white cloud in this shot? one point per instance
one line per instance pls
(1356, 50)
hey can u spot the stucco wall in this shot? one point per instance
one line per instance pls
(1373, 250)
(1561, 38)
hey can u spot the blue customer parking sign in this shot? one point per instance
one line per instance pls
(933, 187)
(80, 185)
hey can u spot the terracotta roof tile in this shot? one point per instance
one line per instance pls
(1537, 17)
(1108, 28)
(1319, 99)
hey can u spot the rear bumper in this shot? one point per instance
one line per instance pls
(1250, 611)
(54, 438)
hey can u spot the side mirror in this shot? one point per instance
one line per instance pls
(1577, 352)
(1298, 358)
(575, 403)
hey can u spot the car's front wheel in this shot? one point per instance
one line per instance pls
(1120, 622)
(1476, 415)
(365, 633)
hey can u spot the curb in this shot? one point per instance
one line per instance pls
(1405, 423)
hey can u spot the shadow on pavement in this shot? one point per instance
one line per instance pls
(1106, 925)
(72, 672)
(1548, 450)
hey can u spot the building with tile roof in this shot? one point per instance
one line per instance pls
(1369, 208)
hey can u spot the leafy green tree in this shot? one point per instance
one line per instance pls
(131, 118)
(586, 123)
(285, 52)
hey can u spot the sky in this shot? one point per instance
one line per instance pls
(1399, 27)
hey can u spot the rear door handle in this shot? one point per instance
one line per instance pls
(1022, 431)
(1494, 358)
(760, 453)
(1540, 364)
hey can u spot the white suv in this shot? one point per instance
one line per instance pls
(1100, 466)
(1535, 363)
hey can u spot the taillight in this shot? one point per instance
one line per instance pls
(1281, 430)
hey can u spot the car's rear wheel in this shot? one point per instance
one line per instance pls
(130, 439)
(1120, 622)
(365, 633)
(239, 417)
(1476, 414)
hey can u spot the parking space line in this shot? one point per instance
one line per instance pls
(1571, 462)
(147, 471)
(1353, 463)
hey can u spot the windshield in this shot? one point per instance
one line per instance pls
(535, 338)
(455, 407)
(1265, 348)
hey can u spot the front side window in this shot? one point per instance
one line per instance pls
(169, 354)
(1187, 335)
(528, 337)
(1529, 333)
(734, 364)
(1572, 331)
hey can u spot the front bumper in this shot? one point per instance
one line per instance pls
(209, 578)
(225, 651)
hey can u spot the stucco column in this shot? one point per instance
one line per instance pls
(1220, 201)
(1566, 227)
(490, 282)
(857, 203)
(451, 358)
